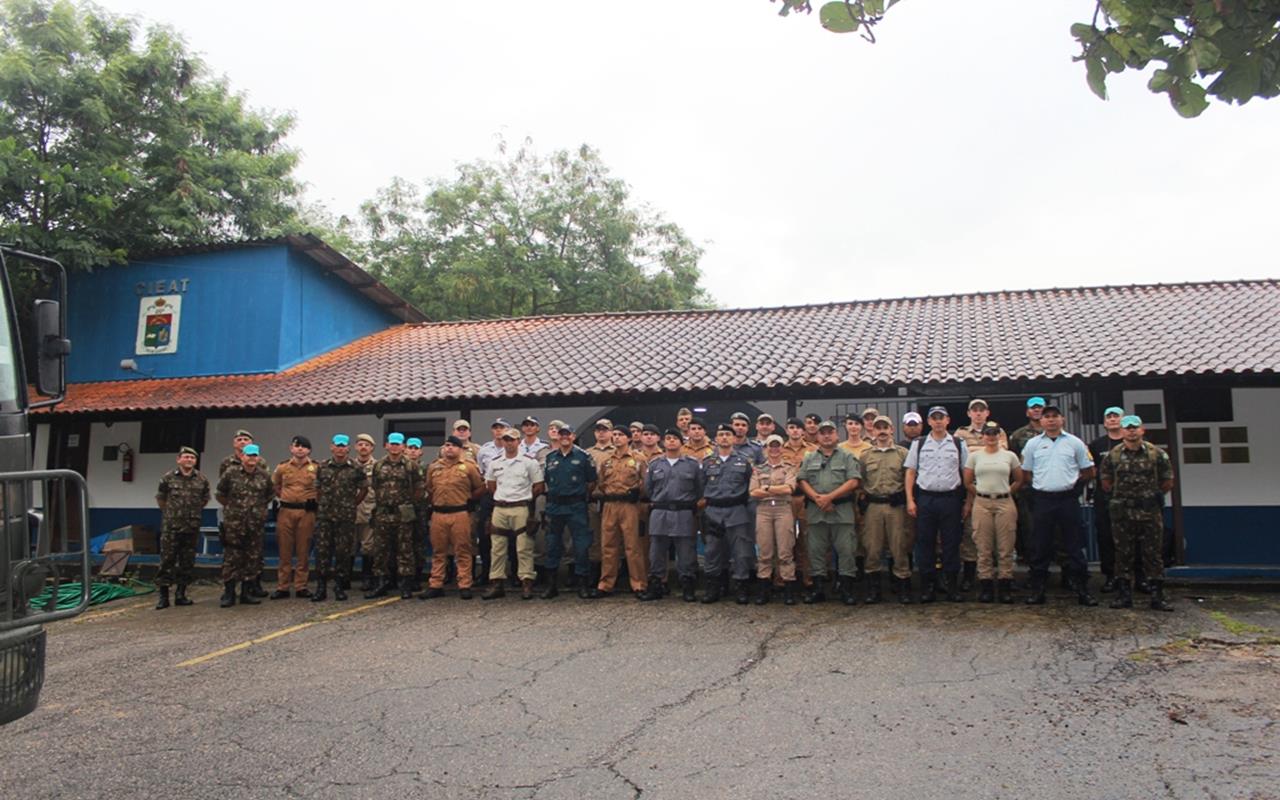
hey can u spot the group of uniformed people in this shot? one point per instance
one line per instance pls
(775, 513)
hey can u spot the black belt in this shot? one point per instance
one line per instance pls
(566, 498)
(308, 505)
(727, 502)
(993, 496)
(450, 509)
(1062, 493)
(897, 497)
(632, 496)
(948, 493)
(675, 506)
(512, 503)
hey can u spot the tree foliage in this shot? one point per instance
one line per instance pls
(1227, 49)
(113, 142)
(526, 234)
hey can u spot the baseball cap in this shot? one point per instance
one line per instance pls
(882, 418)
(364, 437)
(814, 417)
(301, 441)
(992, 428)
(250, 450)
(636, 425)
(510, 433)
(1035, 401)
(1117, 410)
(739, 415)
(826, 423)
(565, 428)
(852, 417)
(340, 440)
(413, 441)
(870, 411)
(530, 420)
(188, 451)
(939, 410)
(604, 423)
(462, 423)
(765, 416)
(911, 416)
(978, 401)
(773, 439)
(1131, 421)
(500, 423)
(1054, 408)
(557, 423)
(395, 438)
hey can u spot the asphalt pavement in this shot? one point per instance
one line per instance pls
(619, 699)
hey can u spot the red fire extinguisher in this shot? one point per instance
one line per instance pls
(126, 463)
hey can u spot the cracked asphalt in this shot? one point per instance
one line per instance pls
(617, 699)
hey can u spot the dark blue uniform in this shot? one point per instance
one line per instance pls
(568, 478)
(728, 528)
(673, 491)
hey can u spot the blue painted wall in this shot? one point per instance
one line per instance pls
(1232, 534)
(247, 310)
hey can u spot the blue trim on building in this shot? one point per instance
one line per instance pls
(1232, 535)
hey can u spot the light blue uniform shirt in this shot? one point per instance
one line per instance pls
(1055, 464)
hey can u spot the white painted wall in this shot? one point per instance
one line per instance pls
(1216, 484)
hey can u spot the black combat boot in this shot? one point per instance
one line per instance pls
(742, 591)
(432, 593)
(689, 589)
(873, 588)
(1036, 588)
(928, 588)
(969, 576)
(764, 591)
(714, 590)
(367, 581)
(162, 600)
(340, 587)
(815, 593)
(228, 594)
(552, 578)
(848, 590)
(590, 587)
(322, 591)
(859, 567)
(986, 591)
(654, 590)
(1124, 597)
(406, 587)
(574, 580)
(953, 588)
(1108, 584)
(1157, 597)
(381, 589)
(1080, 583)
(280, 594)
(1004, 590)
(181, 599)
(789, 593)
(246, 595)
(255, 588)
(905, 596)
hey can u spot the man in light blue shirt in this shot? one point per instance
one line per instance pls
(937, 501)
(1057, 465)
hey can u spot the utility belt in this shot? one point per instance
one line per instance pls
(896, 499)
(1062, 493)
(632, 496)
(681, 506)
(450, 509)
(306, 505)
(728, 502)
(1141, 503)
(512, 503)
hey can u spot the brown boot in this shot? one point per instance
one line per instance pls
(526, 588)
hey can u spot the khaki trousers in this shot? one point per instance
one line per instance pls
(620, 532)
(294, 527)
(802, 541)
(886, 526)
(451, 533)
(595, 520)
(775, 534)
(508, 521)
(995, 532)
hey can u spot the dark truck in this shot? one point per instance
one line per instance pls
(43, 514)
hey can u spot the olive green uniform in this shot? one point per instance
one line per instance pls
(1137, 506)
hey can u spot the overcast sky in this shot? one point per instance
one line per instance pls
(961, 152)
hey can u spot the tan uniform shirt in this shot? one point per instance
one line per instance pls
(620, 473)
(452, 484)
(973, 438)
(885, 469)
(699, 453)
(364, 511)
(293, 483)
(766, 475)
(599, 454)
(794, 455)
(647, 456)
(862, 447)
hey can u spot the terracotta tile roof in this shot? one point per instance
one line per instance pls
(1057, 334)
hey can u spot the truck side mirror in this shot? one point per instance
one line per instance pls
(52, 349)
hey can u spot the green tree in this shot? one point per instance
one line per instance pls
(1227, 49)
(112, 142)
(527, 234)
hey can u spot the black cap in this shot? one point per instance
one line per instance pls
(301, 441)
(799, 423)
(739, 415)
(566, 429)
(724, 426)
(531, 419)
(991, 427)
(453, 440)
(1052, 408)
(674, 432)
(651, 428)
(699, 421)
(814, 417)
(852, 417)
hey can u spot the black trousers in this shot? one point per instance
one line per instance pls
(1057, 513)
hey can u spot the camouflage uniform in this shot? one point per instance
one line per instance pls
(396, 484)
(255, 544)
(184, 498)
(1137, 506)
(244, 496)
(338, 484)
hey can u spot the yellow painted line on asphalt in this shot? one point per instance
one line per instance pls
(191, 662)
(111, 612)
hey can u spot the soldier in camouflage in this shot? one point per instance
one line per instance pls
(182, 495)
(1018, 440)
(244, 493)
(397, 485)
(238, 442)
(340, 488)
(1137, 474)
